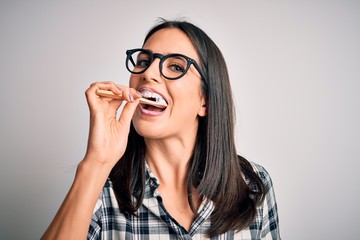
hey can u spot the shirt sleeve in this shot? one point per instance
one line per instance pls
(270, 220)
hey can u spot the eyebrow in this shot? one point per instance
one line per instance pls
(165, 54)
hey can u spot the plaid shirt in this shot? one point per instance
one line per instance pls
(154, 222)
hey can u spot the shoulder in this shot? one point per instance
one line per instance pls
(268, 211)
(263, 174)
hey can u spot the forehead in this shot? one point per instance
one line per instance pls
(171, 40)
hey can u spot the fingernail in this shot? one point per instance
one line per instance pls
(131, 97)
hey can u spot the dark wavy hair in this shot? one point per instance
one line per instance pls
(215, 169)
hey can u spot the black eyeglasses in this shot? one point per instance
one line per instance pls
(172, 66)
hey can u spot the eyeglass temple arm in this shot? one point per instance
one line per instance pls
(198, 69)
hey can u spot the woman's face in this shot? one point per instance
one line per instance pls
(183, 96)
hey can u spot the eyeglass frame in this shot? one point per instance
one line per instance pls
(162, 58)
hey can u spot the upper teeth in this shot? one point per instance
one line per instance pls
(148, 94)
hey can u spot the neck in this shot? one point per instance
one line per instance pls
(168, 160)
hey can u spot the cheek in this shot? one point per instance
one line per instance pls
(188, 99)
(133, 81)
(189, 90)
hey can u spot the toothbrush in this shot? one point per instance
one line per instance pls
(105, 93)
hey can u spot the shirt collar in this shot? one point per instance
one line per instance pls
(151, 181)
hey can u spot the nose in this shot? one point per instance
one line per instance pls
(152, 73)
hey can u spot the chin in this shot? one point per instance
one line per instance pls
(148, 129)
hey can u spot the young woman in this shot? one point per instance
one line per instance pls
(179, 176)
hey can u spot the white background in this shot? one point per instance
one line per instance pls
(295, 72)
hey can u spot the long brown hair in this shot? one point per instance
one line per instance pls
(215, 169)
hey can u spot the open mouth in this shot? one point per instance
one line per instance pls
(155, 103)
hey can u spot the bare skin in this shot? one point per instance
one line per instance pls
(169, 138)
(106, 134)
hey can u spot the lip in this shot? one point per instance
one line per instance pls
(148, 113)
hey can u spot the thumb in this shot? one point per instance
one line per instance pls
(127, 113)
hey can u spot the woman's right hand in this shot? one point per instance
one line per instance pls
(108, 134)
(106, 144)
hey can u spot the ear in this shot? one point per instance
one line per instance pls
(202, 110)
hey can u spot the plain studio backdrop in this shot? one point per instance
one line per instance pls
(295, 72)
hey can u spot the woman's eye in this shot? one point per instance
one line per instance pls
(177, 68)
(142, 63)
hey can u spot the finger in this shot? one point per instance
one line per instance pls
(93, 97)
(127, 113)
(135, 93)
(129, 94)
(114, 106)
(132, 96)
(112, 87)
